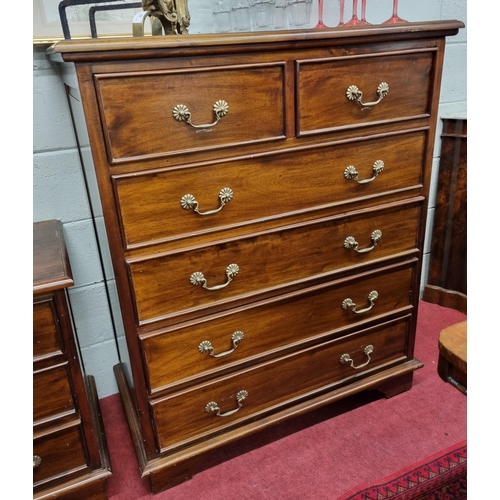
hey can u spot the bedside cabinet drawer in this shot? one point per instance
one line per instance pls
(52, 394)
(196, 413)
(239, 268)
(161, 206)
(194, 109)
(363, 90)
(47, 338)
(57, 454)
(182, 354)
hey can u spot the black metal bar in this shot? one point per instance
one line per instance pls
(93, 10)
(69, 3)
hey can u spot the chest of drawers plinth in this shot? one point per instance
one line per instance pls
(264, 197)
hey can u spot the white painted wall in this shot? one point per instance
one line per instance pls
(59, 190)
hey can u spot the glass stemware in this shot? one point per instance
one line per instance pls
(354, 21)
(363, 13)
(394, 18)
(341, 18)
(320, 24)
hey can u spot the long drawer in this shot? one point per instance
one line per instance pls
(178, 282)
(193, 414)
(58, 453)
(166, 102)
(183, 354)
(393, 86)
(160, 206)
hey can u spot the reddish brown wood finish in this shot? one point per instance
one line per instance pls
(289, 320)
(283, 149)
(452, 363)
(265, 188)
(274, 385)
(447, 277)
(67, 437)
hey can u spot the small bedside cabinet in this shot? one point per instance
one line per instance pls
(70, 457)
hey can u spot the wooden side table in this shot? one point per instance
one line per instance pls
(452, 363)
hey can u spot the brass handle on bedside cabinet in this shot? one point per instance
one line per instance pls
(351, 173)
(354, 94)
(213, 407)
(349, 304)
(206, 345)
(188, 201)
(182, 114)
(345, 358)
(198, 279)
(36, 461)
(351, 243)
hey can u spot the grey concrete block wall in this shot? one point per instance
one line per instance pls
(59, 190)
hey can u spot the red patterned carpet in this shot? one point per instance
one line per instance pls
(441, 476)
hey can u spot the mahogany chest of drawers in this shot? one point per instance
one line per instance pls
(264, 197)
(70, 457)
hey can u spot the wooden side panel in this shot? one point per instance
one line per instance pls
(448, 259)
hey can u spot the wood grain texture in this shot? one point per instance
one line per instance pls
(267, 262)
(452, 363)
(149, 128)
(265, 187)
(51, 269)
(447, 276)
(273, 327)
(283, 149)
(70, 458)
(182, 418)
(407, 74)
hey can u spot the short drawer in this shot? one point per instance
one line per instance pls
(52, 394)
(47, 338)
(158, 206)
(271, 386)
(324, 87)
(140, 111)
(187, 280)
(183, 354)
(58, 454)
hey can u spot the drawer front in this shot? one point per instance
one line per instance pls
(270, 386)
(148, 127)
(52, 394)
(171, 284)
(60, 452)
(46, 334)
(263, 188)
(180, 355)
(323, 87)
